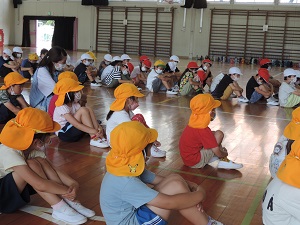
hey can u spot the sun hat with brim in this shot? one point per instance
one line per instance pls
(192, 65)
(207, 61)
(264, 73)
(127, 143)
(289, 72)
(92, 55)
(121, 93)
(201, 106)
(160, 63)
(67, 74)
(13, 78)
(292, 130)
(288, 171)
(86, 56)
(24, 126)
(64, 86)
(235, 70)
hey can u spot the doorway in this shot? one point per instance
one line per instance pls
(44, 33)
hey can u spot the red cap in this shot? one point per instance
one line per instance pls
(143, 57)
(264, 61)
(192, 65)
(207, 61)
(201, 74)
(147, 63)
(264, 73)
(130, 67)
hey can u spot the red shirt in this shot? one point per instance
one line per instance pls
(192, 141)
(52, 106)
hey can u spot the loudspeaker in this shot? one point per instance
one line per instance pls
(200, 4)
(16, 3)
(95, 2)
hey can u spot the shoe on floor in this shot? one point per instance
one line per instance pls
(171, 92)
(80, 208)
(212, 221)
(69, 215)
(225, 163)
(95, 84)
(242, 99)
(270, 102)
(175, 88)
(157, 153)
(97, 142)
(213, 159)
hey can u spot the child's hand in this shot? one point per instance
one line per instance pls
(200, 207)
(72, 193)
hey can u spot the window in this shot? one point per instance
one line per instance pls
(255, 1)
(289, 1)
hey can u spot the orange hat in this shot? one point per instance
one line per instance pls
(289, 169)
(68, 74)
(192, 65)
(63, 86)
(28, 122)
(33, 57)
(292, 130)
(92, 55)
(201, 105)
(127, 143)
(143, 57)
(207, 61)
(264, 61)
(264, 73)
(11, 79)
(121, 93)
(147, 63)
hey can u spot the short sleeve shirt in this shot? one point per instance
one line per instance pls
(10, 158)
(194, 140)
(219, 91)
(4, 97)
(251, 84)
(136, 71)
(120, 197)
(285, 90)
(81, 68)
(45, 81)
(151, 77)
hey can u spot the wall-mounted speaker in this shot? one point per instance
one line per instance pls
(95, 2)
(16, 3)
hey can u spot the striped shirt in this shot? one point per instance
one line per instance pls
(114, 75)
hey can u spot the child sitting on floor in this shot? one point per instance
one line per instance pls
(125, 197)
(199, 145)
(75, 120)
(25, 170)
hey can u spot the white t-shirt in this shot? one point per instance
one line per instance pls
(106, 71)
(136, 71)
(216, 81)
(45, 82)
(285, 91)
(117, 118)
(60, 111)
(10, 158)
(151, 77)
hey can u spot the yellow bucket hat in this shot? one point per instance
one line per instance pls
(29, 121)
(63, 86)
(121, 93)
(92, 55)
(12, 79)
(67, 74)
(127, 143)
(292, 130)
(33, 57)
(289, 169)
(201, 105)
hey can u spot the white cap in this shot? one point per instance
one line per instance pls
(174, 58)
(288, 72)
(8, 52)
(117, 58)
(235, 70)
(85, 56)
(108, 57)
(297, 73)
(125, 56)
(17, 49)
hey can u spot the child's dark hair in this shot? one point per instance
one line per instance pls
(41, 136)
(115, 63)
(44, 51)
(69, 97)
(265, 65)
(289, 146)
(54, 55)
(111, 112)
(15, 54)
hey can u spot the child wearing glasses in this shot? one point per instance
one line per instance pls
(24, 169)
(11, 98)
(259, 87)
(289, 96)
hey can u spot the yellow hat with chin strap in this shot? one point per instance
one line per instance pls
(28, 122)
(92, 55)
(67, 74)
(292, 130)
(63, 86)
(127, 143)
(13, 78)
(160, 63)
(201, 106)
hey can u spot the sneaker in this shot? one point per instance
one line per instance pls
(175, 88)
(243, 99)
(172, 92)
(233, 95)
(275, 96)
(97, 80)
(213, 159)
(69, 216)
(212, 221)
(225, 163)
(100, 143)
(80, 208)
(95, 84)
(272, 98)
(270, 102)
(157, 153)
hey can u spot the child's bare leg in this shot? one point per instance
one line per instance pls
(83, 116)
(49, 171)
(93, 118)
(175, 184)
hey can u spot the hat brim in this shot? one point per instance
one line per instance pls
(22, 81)
(61, 98)
(119, 104)
(217, 104)
(292, 131)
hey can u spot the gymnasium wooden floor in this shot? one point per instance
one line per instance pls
(233, 197)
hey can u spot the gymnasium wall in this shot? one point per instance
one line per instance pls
(188, 42)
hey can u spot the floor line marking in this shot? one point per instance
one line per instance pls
(76, 152)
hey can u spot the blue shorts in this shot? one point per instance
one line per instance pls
(69, 133)
(146, 217)
(255, 97)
